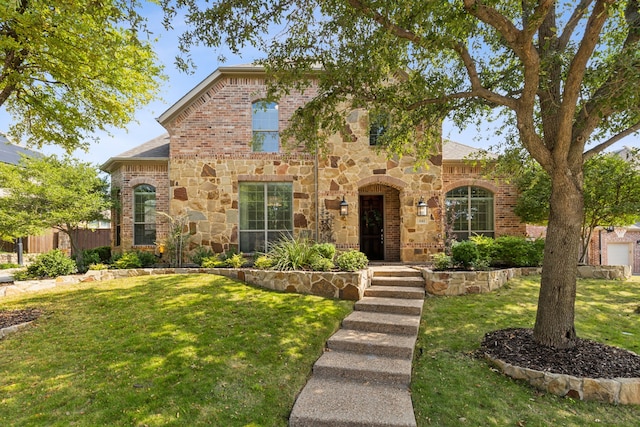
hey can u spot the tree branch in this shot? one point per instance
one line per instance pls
(609, 142)
(575, 75)
(572, 23)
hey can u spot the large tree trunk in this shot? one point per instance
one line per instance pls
(555, 317)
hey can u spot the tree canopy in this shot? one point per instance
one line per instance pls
(564, 75)
(50, 192)
(611, 193)
(73, 67)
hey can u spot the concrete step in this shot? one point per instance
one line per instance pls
(394, 292)
(382, 322)
(364, 368)
(338, 403)
(396, 271)
(390, 305)
(417, 282)
(375, 343)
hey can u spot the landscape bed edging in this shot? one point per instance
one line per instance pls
(330, 284)
(623, 391)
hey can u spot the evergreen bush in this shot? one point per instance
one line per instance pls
(465, 253)
(352, 261)
(51, 264)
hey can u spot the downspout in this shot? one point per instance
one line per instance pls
(317, 195)
(600, 246)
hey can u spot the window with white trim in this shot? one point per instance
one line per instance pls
(266, 214)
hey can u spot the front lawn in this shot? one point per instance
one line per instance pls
(162, 351)
(451, 387)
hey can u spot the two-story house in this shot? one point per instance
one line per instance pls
(222, 164)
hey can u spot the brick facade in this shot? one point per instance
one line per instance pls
(459, 173)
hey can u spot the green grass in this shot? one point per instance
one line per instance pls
(450, 387)
(162, 351)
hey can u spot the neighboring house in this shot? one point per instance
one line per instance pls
(617, 245)
(221, 163)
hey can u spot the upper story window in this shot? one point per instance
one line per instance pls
(265, 127)
(144, 215)
(471, 211)
(378, 124)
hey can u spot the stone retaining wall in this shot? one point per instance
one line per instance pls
(478, 282)
(343, 285)
(624, 391)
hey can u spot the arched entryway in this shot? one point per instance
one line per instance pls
(379, 222)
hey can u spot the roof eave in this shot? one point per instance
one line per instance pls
(203, 86)
(110, 164)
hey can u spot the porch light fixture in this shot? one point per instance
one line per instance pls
(422, 207)
(344, 207)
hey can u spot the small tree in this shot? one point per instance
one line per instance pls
(611, 194)
(49, 192)
(175, 243)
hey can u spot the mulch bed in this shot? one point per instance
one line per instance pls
(15, 317)
(587, 359)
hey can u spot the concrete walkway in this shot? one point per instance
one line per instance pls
(363, 377)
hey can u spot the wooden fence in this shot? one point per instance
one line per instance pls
(86, 239)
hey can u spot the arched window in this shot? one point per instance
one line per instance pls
(470, 212)
(265, 127)
(144, 215)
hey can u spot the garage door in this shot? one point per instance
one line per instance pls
(619, 254)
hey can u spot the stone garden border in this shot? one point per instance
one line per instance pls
(449, 283)
(624, 391)
(343, 285)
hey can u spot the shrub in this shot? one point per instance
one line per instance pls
(352, 261)
(200, 254)
(441, 261)
(326, 250)
(213, 262)
(292, 254)
(21, 275)
(235, 261)
(98, 266)
(263, 262)
(51, 264)
(322, 264)
(465, 253)
(147, 259)
(127, 260)
(5, 266)
(486, 248)
(514, 251)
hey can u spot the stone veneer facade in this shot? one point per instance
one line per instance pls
(210, 154)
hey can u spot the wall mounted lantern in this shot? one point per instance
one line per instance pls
(422, 207)
(344, 207)
(609, 229)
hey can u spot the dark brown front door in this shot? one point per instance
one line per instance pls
(372, 226)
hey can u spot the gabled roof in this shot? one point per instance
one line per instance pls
(204, 86)
(452, 150)
(11, 153)
(156, 149)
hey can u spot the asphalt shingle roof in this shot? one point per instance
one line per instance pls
(10, 153)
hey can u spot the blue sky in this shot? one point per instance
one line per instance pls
(178, 84)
